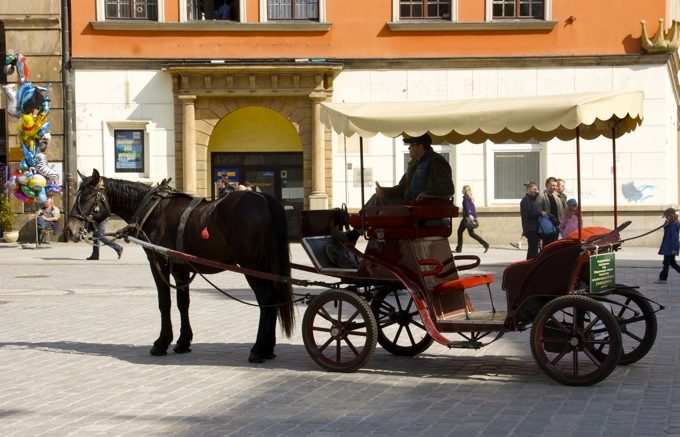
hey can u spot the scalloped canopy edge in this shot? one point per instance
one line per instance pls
(608, 114)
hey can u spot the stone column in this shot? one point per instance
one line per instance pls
(318, 199)
(188, 144)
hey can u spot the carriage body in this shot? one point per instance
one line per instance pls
(409, 284)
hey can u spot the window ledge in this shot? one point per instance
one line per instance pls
(439, 25)
(212, 26)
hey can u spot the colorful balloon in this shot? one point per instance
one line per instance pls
(42, 196)
(37, 182)
(53, 189)
(20, 195)
(27, 191)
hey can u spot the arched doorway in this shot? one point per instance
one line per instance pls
(261, 146)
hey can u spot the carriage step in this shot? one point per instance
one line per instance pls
(465, 344)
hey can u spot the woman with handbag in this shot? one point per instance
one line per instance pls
(469, 221)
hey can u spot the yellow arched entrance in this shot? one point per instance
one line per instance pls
(254, 129)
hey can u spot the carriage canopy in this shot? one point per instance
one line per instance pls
(595, 114)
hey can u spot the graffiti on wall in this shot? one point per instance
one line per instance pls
(637, 194)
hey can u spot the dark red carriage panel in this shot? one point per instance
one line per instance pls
(415, 220)
(318, 221)
(551, 273)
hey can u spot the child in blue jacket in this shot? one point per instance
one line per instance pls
(670, 245)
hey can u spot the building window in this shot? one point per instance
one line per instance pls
(212, 10)
(132, 10)
(425, 9)
(129, 151)
(518, 9)
(512, 165)
(293, 9)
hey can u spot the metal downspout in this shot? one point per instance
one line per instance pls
(70, 157)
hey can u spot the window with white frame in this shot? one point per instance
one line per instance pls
(499, 10)
(197, 10)
(127, 148)
(495, 10)
(510, 166)
(518, 9)
(427, 9)
(293, 10)
(142, 10)
(443, 149)
(132, 10)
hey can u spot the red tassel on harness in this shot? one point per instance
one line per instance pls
(205, 234)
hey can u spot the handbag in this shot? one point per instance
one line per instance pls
(546, 227)
(471, 224)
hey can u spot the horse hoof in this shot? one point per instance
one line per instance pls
(270, 356)
(182, 349)
(158, 352)
(254, 358)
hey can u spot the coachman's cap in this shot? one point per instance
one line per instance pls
(669, 211)
(425, 140)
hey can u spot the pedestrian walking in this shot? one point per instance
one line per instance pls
(530, 215)
(469, 216)
(670, 244)
(100, 238)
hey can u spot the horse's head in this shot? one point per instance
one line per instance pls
(90, 207)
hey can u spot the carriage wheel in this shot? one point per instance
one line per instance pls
(637, 321)
(339, 331)
(400, 328)
(565, 333)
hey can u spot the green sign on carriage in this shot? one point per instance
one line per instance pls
(602, 272)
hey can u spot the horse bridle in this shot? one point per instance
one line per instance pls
(100, 202)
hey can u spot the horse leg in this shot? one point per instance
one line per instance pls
(160, 346)
(183, 345)
(263, 349)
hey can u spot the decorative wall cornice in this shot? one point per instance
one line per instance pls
(26, 22)
(254, 80)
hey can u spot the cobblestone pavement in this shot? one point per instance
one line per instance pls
(74, 360)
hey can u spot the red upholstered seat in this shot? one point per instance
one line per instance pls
(462, 284)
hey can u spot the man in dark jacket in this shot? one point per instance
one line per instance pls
(428, 174)
(530, 214)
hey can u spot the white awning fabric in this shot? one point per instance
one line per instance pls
(608, 114)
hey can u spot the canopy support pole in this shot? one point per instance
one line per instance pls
(361, 163)
(616, 212)
(578, 178)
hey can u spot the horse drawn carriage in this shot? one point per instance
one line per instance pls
(407, 289)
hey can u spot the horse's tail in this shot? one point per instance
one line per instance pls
(280, 262)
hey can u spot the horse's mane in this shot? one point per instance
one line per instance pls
(125, 196)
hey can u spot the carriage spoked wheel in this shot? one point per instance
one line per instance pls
(637, 321)
(565, 334)
(339, 331)
(400, 329)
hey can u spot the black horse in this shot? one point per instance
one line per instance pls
(245, 228)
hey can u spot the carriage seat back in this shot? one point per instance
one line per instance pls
(416, 219)
(549, 273)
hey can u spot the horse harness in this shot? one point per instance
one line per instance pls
(100, 201)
